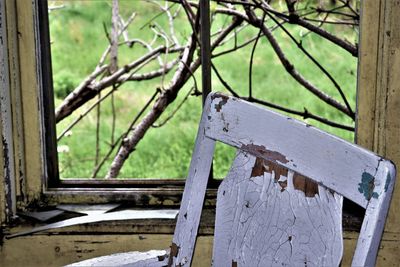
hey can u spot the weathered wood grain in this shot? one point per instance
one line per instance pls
(30, 75)
(193, 197)
(378, 96)
(6, 125)
(271, 216)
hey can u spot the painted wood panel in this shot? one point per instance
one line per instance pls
(349, 170)
(6, 117)
(30, 84)
(356, 173)
(324, 158)
(187, 225)
(378, 101)
(268, 215)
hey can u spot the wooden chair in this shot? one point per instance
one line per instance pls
(281, 202)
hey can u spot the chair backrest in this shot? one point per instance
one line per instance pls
(268, 215)
(284, 170)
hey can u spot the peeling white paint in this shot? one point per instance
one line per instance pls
(6, 120)
(273, 215)
(258, 224)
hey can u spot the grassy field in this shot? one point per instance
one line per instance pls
(78, 40)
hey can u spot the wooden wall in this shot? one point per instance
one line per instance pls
(378, 109)
(378, 128)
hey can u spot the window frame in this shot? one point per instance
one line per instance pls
(33, 188)
(55, 190)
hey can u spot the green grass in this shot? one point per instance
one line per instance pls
(78, 40)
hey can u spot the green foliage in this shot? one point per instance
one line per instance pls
(64, 83)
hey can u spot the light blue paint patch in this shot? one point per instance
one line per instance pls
(367, 186)
(387, 183)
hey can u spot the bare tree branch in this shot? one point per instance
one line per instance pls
(167, 96)
(305, 115)
(124, 135)
(184, 61)
(289, 67)
(89, 89)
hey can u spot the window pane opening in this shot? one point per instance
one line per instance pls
(80, 32)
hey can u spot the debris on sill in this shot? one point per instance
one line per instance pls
(88, 209)
(41, 216)
(89, 214)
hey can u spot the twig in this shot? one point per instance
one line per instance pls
(82, 115)
(114, 61)
(114, 37)
(52, 8)
(341, 22)
(292, 70)
(114, 115)
(155, 17)
(171, 17)
(123, 29)
(305, 115)
(149, 75)
(98, 114)
(300, 46)
(236, 47)
(251, 60)
(82, 94)
(224, 83)
(170, 116)
(295, 19)
(167, 96)
(125, 134)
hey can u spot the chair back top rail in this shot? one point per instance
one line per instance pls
(323, 157)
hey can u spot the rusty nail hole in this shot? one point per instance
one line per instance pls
(57, 249)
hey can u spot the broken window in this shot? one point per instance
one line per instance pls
(127, 86)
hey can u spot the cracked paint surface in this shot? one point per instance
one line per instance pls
(280, 174)
(265, 218)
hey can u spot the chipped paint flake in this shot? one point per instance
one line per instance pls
(367, 185)
(302, 183)
(223, 101)
(262, 151)
(279, 174)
